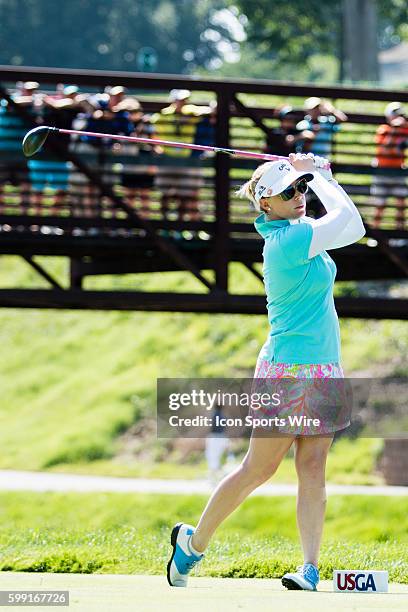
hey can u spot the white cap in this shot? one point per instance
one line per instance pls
(118, 89)
(279, 175)
(179, 94)
(69, 90)
(31, 85)
(394, 109)
(311, 103)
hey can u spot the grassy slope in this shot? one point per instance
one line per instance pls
(71, 381)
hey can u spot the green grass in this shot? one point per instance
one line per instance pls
(350, 462)
(73, 382)
(121, 533)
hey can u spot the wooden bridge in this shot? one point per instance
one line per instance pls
(102, 227)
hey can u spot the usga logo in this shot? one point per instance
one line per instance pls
(360, 581)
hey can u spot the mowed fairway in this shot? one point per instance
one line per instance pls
(118, 593)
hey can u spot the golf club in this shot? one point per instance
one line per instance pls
(35, 138)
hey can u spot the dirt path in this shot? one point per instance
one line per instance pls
(44, 481)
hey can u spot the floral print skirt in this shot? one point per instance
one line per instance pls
(314, 399)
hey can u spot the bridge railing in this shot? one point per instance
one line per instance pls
(79, 190)
(353, 152)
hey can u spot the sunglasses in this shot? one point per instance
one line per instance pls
(289, 193)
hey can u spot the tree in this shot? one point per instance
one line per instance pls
(292, 33)
(108, 35)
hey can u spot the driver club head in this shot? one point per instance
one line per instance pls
(34, 139)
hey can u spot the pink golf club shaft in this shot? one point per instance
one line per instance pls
(169, 143)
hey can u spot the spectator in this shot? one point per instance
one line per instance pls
(26, 93)
(59, 110)
(116, 95)
(180, 184)
(59, 92)
(138, 179)
(286, 138)
(216, 444)
(324, 120)
(104, 120)
(28, 98)
(204, 133)
(13, 127)
(391, 140)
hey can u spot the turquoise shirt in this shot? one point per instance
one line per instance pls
(299, 291)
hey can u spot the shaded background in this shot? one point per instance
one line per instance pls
(358, 40)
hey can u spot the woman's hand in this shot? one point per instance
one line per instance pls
(302, 162)
(322, 165)
(310, 163)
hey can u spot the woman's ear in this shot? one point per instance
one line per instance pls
(265, 206)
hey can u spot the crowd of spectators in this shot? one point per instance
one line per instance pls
(315, 132)
(180, 179)
(112, 112)
(391, 141)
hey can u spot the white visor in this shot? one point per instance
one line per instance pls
(276, 179)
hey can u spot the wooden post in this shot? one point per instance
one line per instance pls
(75, 276)
(222, 188)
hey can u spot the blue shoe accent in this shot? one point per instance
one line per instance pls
(306, 578)
(182, 559)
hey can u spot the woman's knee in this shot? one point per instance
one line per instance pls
(256, 473)
(311, 465)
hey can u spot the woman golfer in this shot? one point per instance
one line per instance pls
(304, 342)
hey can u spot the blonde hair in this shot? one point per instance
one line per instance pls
(247, 190)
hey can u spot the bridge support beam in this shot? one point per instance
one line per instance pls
(215, 302)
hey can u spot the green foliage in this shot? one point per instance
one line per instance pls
(66, 563)
(271, 558)
(255, 64)
(119, 533)
(299, 44)
(295, 39)
(289, 31)
(109, 35)
(354, 461)
(285, 41)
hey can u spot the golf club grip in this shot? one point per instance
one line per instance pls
(180, 145)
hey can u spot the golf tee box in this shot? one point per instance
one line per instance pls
(360, 581)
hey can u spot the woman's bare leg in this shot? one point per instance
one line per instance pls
(310, 460)
(260, 463)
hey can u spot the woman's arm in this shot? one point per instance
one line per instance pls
(342, 225)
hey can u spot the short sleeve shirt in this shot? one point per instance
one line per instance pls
(301, 312)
